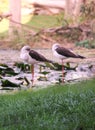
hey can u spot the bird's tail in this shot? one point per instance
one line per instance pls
(82, 57)
(50, 61)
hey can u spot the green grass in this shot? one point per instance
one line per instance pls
(46, 21)
(36, 22)
(68, 107)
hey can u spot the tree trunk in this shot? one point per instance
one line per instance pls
(15, 11)
(72, 10)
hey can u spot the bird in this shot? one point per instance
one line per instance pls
(62, 53)
(32, 57)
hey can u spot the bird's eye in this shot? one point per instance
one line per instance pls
(28, 49)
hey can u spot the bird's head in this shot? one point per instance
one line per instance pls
(25, 49)
(55, 46)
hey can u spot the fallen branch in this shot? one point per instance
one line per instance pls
(51, 4)
(47, 38)
(2, 16)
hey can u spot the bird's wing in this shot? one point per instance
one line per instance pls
(35, 55)
(65, 52)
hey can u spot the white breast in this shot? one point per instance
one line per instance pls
(31, 60)
(24, 57)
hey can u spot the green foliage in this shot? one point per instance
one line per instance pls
(88, 10)
(46, 21)
(56, 66)
(68, 107)
(28, 31)
(7, 83)
(6, 70)
(23, 67)
(86, 43)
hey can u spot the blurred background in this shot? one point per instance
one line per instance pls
(40, 23)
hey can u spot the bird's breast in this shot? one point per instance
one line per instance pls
(32, 60)
(24, 57)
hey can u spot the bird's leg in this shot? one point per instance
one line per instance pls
(62, 71)
(32, 71)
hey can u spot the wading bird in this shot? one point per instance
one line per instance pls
(32, 57)
(62, 53)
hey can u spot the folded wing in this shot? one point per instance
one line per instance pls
(65, 52)
(35, 55)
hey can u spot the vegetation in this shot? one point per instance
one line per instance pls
(29, 28)
(82, 35)
(45, 21)
(68, 107)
